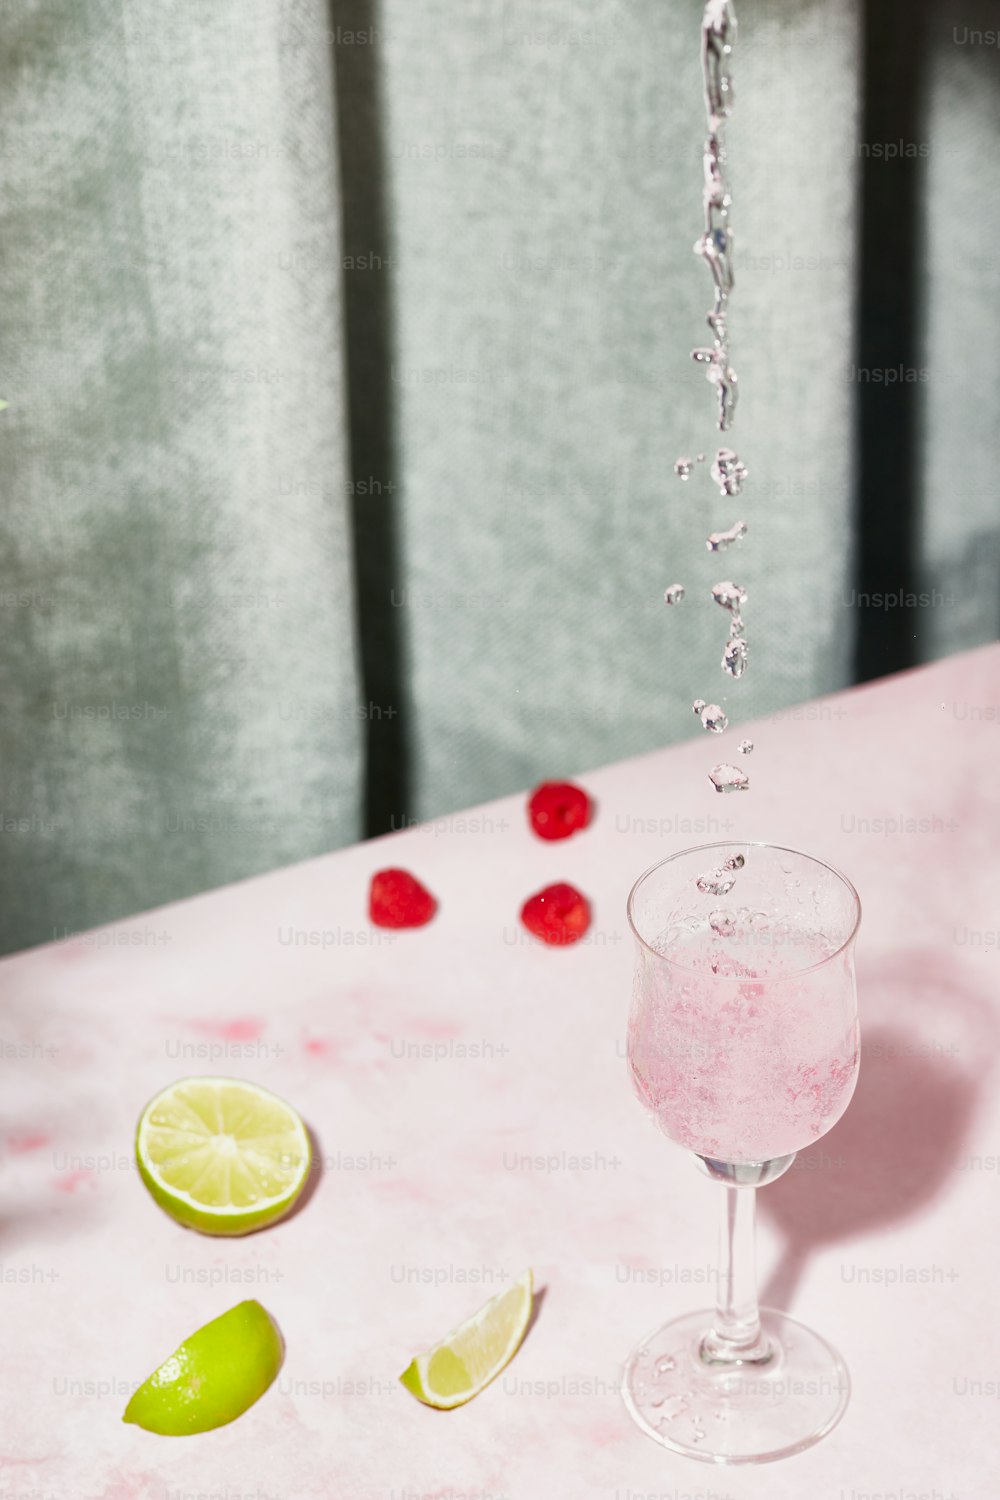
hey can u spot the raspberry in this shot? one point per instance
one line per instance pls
(558, 915)
(557, 809)
(397, 899)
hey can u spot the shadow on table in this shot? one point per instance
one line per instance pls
(316, 1172)
(927, 1045)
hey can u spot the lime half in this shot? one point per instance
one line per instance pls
(467, 1360)
(222, 1156)
(213, 1377)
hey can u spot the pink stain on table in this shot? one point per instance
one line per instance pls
(443, 1031)
(72, 1180)
(130, 1486)
(242, 1030)
(321, 1046)
(19, 1144)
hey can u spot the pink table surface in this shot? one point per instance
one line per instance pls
(468, 1090)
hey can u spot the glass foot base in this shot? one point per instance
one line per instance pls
(743, 1415)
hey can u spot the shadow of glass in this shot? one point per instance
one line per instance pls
(893, 1152)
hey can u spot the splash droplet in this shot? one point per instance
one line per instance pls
(716, 882)
(683, 467)
(713, 718)
(720, 540)
(746, 747)
(728, 779)
(698, 705)
(722, 923)
(728, 471)
(729, 595)
(674, 594)
(734, 658)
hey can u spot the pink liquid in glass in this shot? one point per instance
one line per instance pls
(739, 1049)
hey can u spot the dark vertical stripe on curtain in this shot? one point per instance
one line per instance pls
(368, 329)
(888, 331)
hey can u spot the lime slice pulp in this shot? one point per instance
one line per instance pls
(222, 1155)
(215, 1375)
(468, 1359)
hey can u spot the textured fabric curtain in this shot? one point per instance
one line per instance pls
(347, 358)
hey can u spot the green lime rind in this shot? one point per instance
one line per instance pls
(227, 1219)
(207, 1222)
(454, 1371)
(213, 1377)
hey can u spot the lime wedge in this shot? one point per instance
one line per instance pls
(213, 1377)
(467, 1360)
(222, 1156)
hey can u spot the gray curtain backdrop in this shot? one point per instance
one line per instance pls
(347, 358)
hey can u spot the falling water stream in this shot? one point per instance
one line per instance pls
(727, 470)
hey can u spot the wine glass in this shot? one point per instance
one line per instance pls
(743, 1045)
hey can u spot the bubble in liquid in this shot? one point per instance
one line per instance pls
(720, 540)
(728, 779)
(729, 595)
(746, 747)
(683, 467)
(716, 882)
(722, 923)
(698, 705)
(674, 594)
(734, 658)
(665, 1364)
(713, 718)
(728, 471)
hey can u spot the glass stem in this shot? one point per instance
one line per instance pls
(736, 1337)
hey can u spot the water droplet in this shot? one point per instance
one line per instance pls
(720, 540)
(683, 467)
(734, 657)
(713, 718)
(728, 471)
(675, 1406)
(734, 862)
(728, 779)
(729, 595)
(697, 1435)
(701, 460)
(698, 705)
(746, 747)
(722, 923)
(674, 594)
(716, 882)
(666, 1363)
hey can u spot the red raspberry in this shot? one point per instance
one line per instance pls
(558, 915)
(397, 899)
(557, 809)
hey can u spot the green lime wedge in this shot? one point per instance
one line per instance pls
(213, 1377)
(467, 1360)
(222, 1156)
